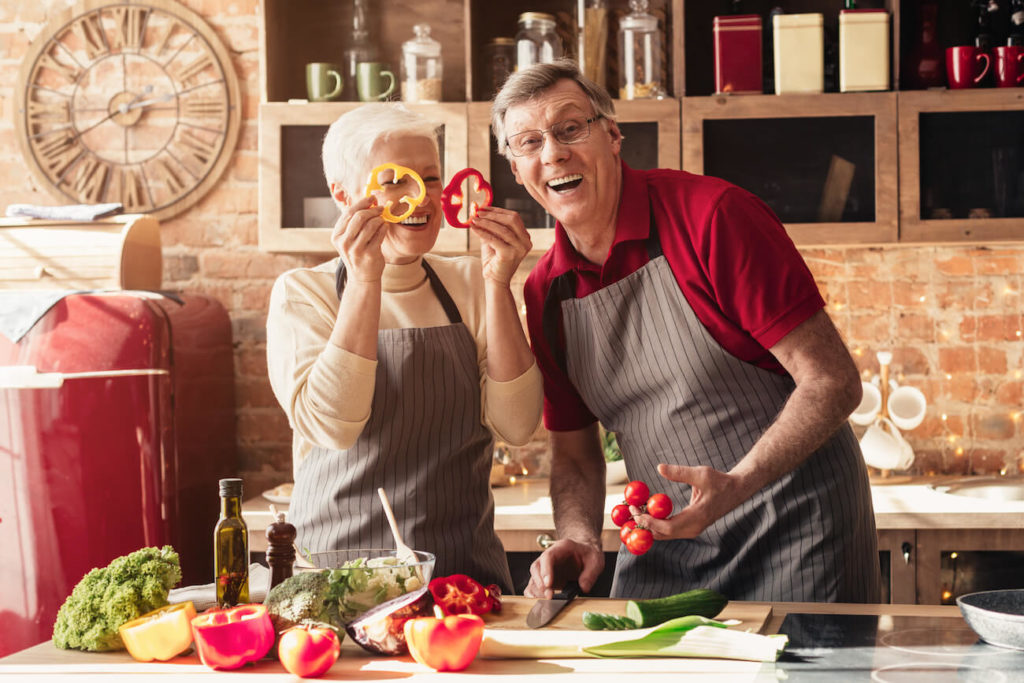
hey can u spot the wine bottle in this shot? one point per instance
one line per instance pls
(1016, 36)
(231, 547)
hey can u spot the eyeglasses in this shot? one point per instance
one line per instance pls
(567, 132)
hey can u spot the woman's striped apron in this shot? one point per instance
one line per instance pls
(425, 445)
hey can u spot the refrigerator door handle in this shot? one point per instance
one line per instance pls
(28, 377)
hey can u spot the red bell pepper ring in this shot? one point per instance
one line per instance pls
(373, 185)
(445, 644)
(453, 198)
(460, 594)
(229, 638)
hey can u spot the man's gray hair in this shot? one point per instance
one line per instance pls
(351, 138)
(524, 85)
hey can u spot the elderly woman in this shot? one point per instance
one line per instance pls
(397, 368)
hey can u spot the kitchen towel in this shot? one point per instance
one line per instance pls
(205, 596)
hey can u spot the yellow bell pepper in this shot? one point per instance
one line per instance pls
(162, 634)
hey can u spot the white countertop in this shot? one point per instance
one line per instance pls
(523, 510)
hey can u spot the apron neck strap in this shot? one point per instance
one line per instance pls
(450, 309)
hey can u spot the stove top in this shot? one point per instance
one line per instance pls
(846, 647)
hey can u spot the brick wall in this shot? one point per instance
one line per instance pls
(951, 315)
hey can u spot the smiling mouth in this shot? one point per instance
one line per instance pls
(566, 183)
(415, 220)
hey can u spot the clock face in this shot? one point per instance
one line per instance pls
(128, 102)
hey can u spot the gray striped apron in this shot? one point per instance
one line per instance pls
(648, 369)
(425, 445)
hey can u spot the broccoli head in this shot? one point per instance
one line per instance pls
(108, 597)
(303, 598)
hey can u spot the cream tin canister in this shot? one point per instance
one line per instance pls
(799, 53)
(863, 50)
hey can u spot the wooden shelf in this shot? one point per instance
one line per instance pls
(290, 173)
(880, 107)
(914, 104)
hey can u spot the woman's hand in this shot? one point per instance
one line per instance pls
(358, 236)
(504, 242)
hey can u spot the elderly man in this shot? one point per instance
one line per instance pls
(674, 309)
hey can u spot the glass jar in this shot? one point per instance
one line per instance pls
(536, 41)
(593, 40)
(421, 67)
(500, 60)
(640, 48)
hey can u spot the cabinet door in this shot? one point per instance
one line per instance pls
(296, 212)
(961, 165)
(897, 554)
(825, 164)
(651, 131)
(952, 562)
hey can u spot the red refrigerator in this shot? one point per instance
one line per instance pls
(116, 422)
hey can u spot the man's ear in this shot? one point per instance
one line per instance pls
(339, 194)
(616, 137)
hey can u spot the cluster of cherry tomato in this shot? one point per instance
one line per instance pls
(637, 539)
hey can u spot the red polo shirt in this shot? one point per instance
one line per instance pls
(733, 260)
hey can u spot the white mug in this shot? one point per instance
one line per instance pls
(906, 407)
(870, 405)
(885, 448)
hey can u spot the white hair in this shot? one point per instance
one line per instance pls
(350, 139)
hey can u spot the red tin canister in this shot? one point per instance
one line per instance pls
(738, 54)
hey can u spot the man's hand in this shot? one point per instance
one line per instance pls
(713, 494)
(358, 236)
(564, 561)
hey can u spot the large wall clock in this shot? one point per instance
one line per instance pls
(128, 101)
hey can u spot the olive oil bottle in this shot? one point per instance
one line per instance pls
(231, 547)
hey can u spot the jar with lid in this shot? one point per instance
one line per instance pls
(536, 41)
(421, 67)
(640, 54)
(500, 61)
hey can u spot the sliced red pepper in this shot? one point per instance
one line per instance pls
(229, 638)
(453, 198)
(494, 592)
(460, 594)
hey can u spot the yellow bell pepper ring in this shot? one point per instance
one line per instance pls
(162, 634)
(373, 185)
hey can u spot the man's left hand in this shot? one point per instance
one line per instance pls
(713, 494)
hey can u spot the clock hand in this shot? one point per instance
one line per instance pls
(121, 109)
(128, 106)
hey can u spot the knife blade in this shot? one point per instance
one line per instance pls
(543, 611)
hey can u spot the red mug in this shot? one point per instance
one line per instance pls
(1009, 66)
(962, 68)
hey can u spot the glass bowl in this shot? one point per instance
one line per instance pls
(363, 578)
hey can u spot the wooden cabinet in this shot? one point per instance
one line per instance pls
(838, 168)
(296, 212)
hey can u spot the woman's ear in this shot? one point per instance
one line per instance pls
(339, 194)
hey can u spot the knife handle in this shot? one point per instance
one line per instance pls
(568, 592)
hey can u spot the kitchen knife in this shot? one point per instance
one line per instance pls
(543, 611)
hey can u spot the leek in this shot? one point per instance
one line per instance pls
(696, 636)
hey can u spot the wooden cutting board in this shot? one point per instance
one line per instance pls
(752, 615)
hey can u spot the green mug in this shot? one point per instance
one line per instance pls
(369, 81)
(323, 81)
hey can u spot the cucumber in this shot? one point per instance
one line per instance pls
(702, 602)
(595, 621)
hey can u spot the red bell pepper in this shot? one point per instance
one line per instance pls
(229, 638)
(453, 198)
(445, 644)
(461, 594)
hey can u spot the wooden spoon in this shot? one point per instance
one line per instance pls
(404, 553)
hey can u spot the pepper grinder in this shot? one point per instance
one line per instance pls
(280, 549)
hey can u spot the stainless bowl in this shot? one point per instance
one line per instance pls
(996, 616)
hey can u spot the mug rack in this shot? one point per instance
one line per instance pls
(869, 415)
